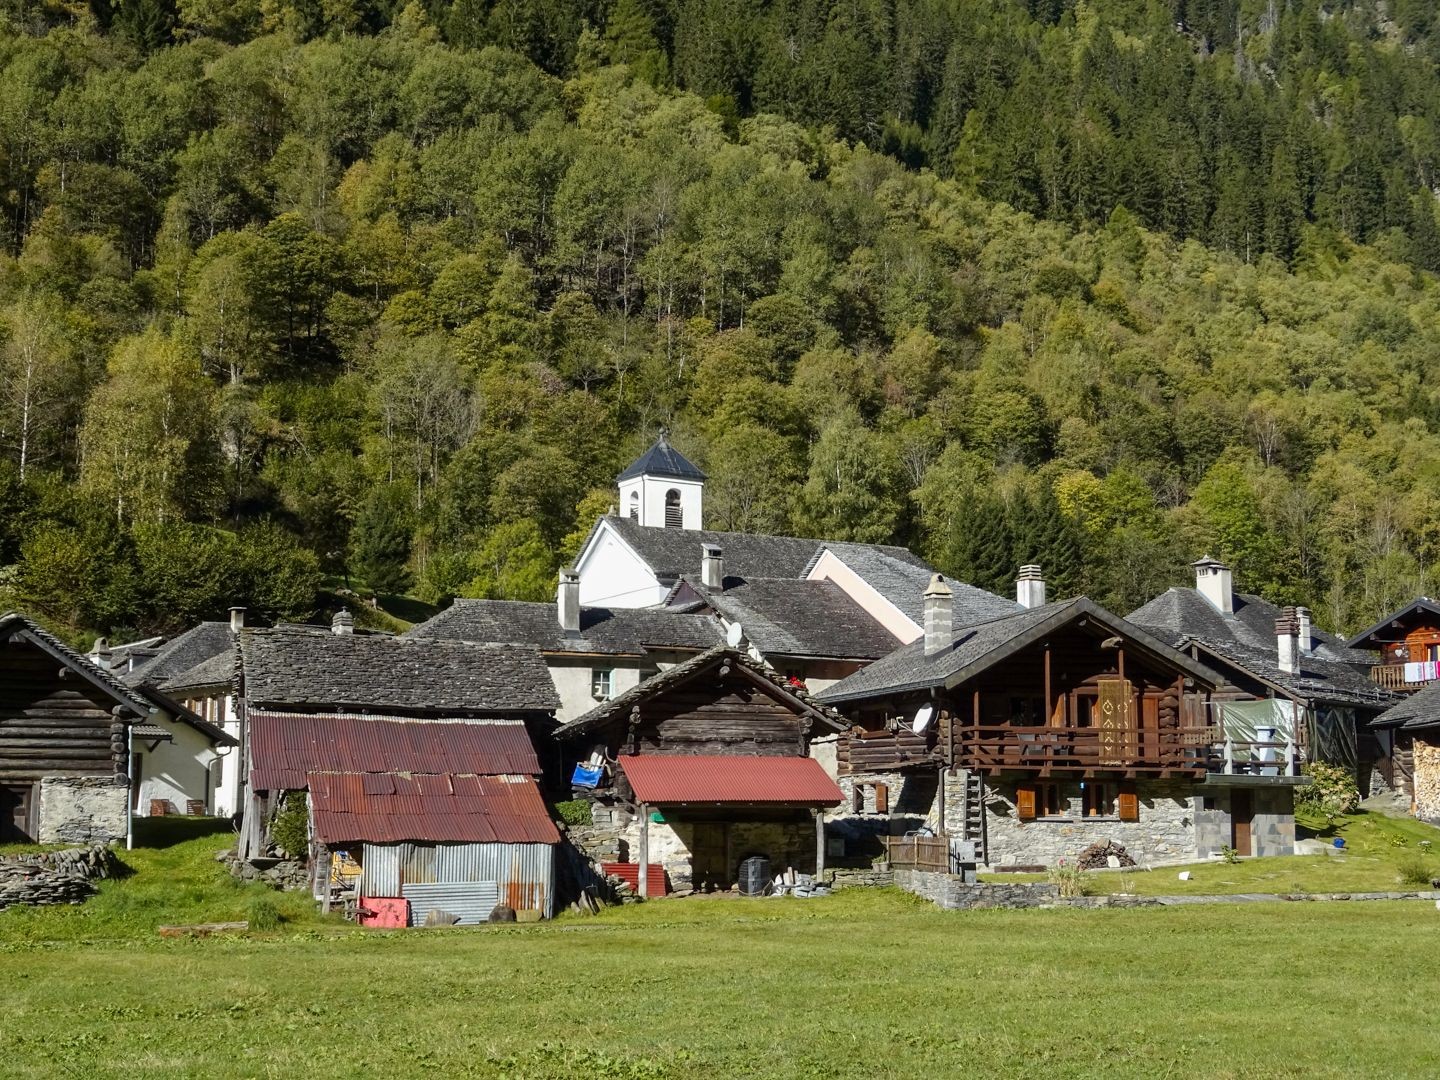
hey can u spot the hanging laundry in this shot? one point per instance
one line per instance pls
(1414, 672)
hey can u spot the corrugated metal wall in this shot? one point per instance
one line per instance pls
(471, 901)
(523, 873)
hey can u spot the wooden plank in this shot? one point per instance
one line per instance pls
(203, 929)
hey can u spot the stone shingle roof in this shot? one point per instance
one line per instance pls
(219, 670)
(617, 631)
(903, 582)
(792, 617)
(1319, 678)
(673, 552)
(1181, 613)
(1419, 711)
(182, 654)
(662, 459)
(292, 666)
(800, 698)
(977, 647)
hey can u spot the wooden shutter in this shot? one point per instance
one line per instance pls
(882, 799)
(1128, 804)
(1025, 802)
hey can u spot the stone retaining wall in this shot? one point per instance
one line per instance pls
(54, 877)
(952, 893)
(844, 877)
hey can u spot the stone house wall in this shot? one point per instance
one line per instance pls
(83, 810)
(1427, 777)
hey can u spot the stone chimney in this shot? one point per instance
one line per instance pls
(1307, 640)
(100, 653)
(1030, 587)
(1287, 635)
(939, 608)
(237, 619)
(1214, 581)
(712, 566)
(343, 623)
(567, 601)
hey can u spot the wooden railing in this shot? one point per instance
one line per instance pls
(1392, 677)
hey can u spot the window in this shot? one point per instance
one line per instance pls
(1042, 800)
(673, 517)
(634, 506)
(601, 684)
(1098, 799)
(1026, 712)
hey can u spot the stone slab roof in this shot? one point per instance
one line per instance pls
(793, 617)
(615, 631)
(1184, 613)
(1419, 711)
(184, 653)
(317, 668)
(662, 460)
(1319, 679)
(903, 582)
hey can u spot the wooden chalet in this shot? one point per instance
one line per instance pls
(1408, 646)
(702, 767)
(1033, 735)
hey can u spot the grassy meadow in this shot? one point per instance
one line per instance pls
(866, 983)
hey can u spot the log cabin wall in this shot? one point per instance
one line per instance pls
(52, 722)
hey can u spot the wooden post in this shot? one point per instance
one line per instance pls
(1049, 702)
(819, 845)
(644, 850)
(940, 795)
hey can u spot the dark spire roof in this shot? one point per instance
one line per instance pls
(662, 459)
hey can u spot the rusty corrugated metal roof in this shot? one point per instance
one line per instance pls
(729, 779)
(284, 746)
(384, 808)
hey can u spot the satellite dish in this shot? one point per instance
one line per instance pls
(734, 635)
(923, 716)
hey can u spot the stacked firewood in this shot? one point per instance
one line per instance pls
(1097, 856)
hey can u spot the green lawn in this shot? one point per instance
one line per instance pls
(1376, 847)
(861, 984)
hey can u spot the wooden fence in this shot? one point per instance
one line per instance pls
(919, 853)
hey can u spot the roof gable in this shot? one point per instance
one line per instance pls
(1420, 611)
(14, 625)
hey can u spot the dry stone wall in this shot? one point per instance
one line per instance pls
(952, 892)
(55, 877)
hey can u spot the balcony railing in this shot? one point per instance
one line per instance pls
(1392, 677)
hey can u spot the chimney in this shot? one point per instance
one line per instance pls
(100, 653)
(938, 612)
(1214, 581)
(1030, 587)
(343, 623)
(712, 566)
(1307, 640)
(1287, 633)
(237, 619)
(567, 601)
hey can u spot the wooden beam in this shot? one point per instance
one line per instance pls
(819, 845)
(644, 851)
(1049, 701)
(1120, 661)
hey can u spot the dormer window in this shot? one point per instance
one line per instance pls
(634, 506)
(673, 517)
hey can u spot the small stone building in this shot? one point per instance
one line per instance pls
(1415, 724)
(701, 767)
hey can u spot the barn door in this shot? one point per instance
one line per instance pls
(1242, 821)
(16, 804)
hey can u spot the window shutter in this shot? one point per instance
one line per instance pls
(882, 798)
(1129, 805)
(1025, 802)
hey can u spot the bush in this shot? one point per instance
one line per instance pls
(1332, 791)
(1415, 871)
(291, 828)
(263, 914)
(1069, 877)
(575, 812)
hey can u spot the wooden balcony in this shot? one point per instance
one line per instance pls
(884, 751)
(1392, 677)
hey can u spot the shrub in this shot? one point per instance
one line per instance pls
(291, 828)
(1230, 854)
(575, 812)
(263, 914)
(1414, 871)
(1069, 877)
(1332, 791)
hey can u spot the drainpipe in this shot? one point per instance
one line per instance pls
(130, 793)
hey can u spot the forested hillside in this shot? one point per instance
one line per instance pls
(366, 296)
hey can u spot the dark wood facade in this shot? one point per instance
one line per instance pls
(54, 722)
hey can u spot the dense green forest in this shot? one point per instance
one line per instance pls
(292, 289)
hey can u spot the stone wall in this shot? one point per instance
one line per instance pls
(83, 810)
(1165, 832)
(912, 805)
(1427, 777)
(951, 892)
(858, 877)
(54, 877)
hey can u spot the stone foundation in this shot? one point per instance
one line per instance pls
(83, 810)
(1427, 777)
(55, 877)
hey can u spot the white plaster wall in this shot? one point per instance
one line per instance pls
(653, 490)
(612, 575)
(176, 771)
(220, 710)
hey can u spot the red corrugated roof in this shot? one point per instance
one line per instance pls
(284, 746)
(720, 778)
(456, 808)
